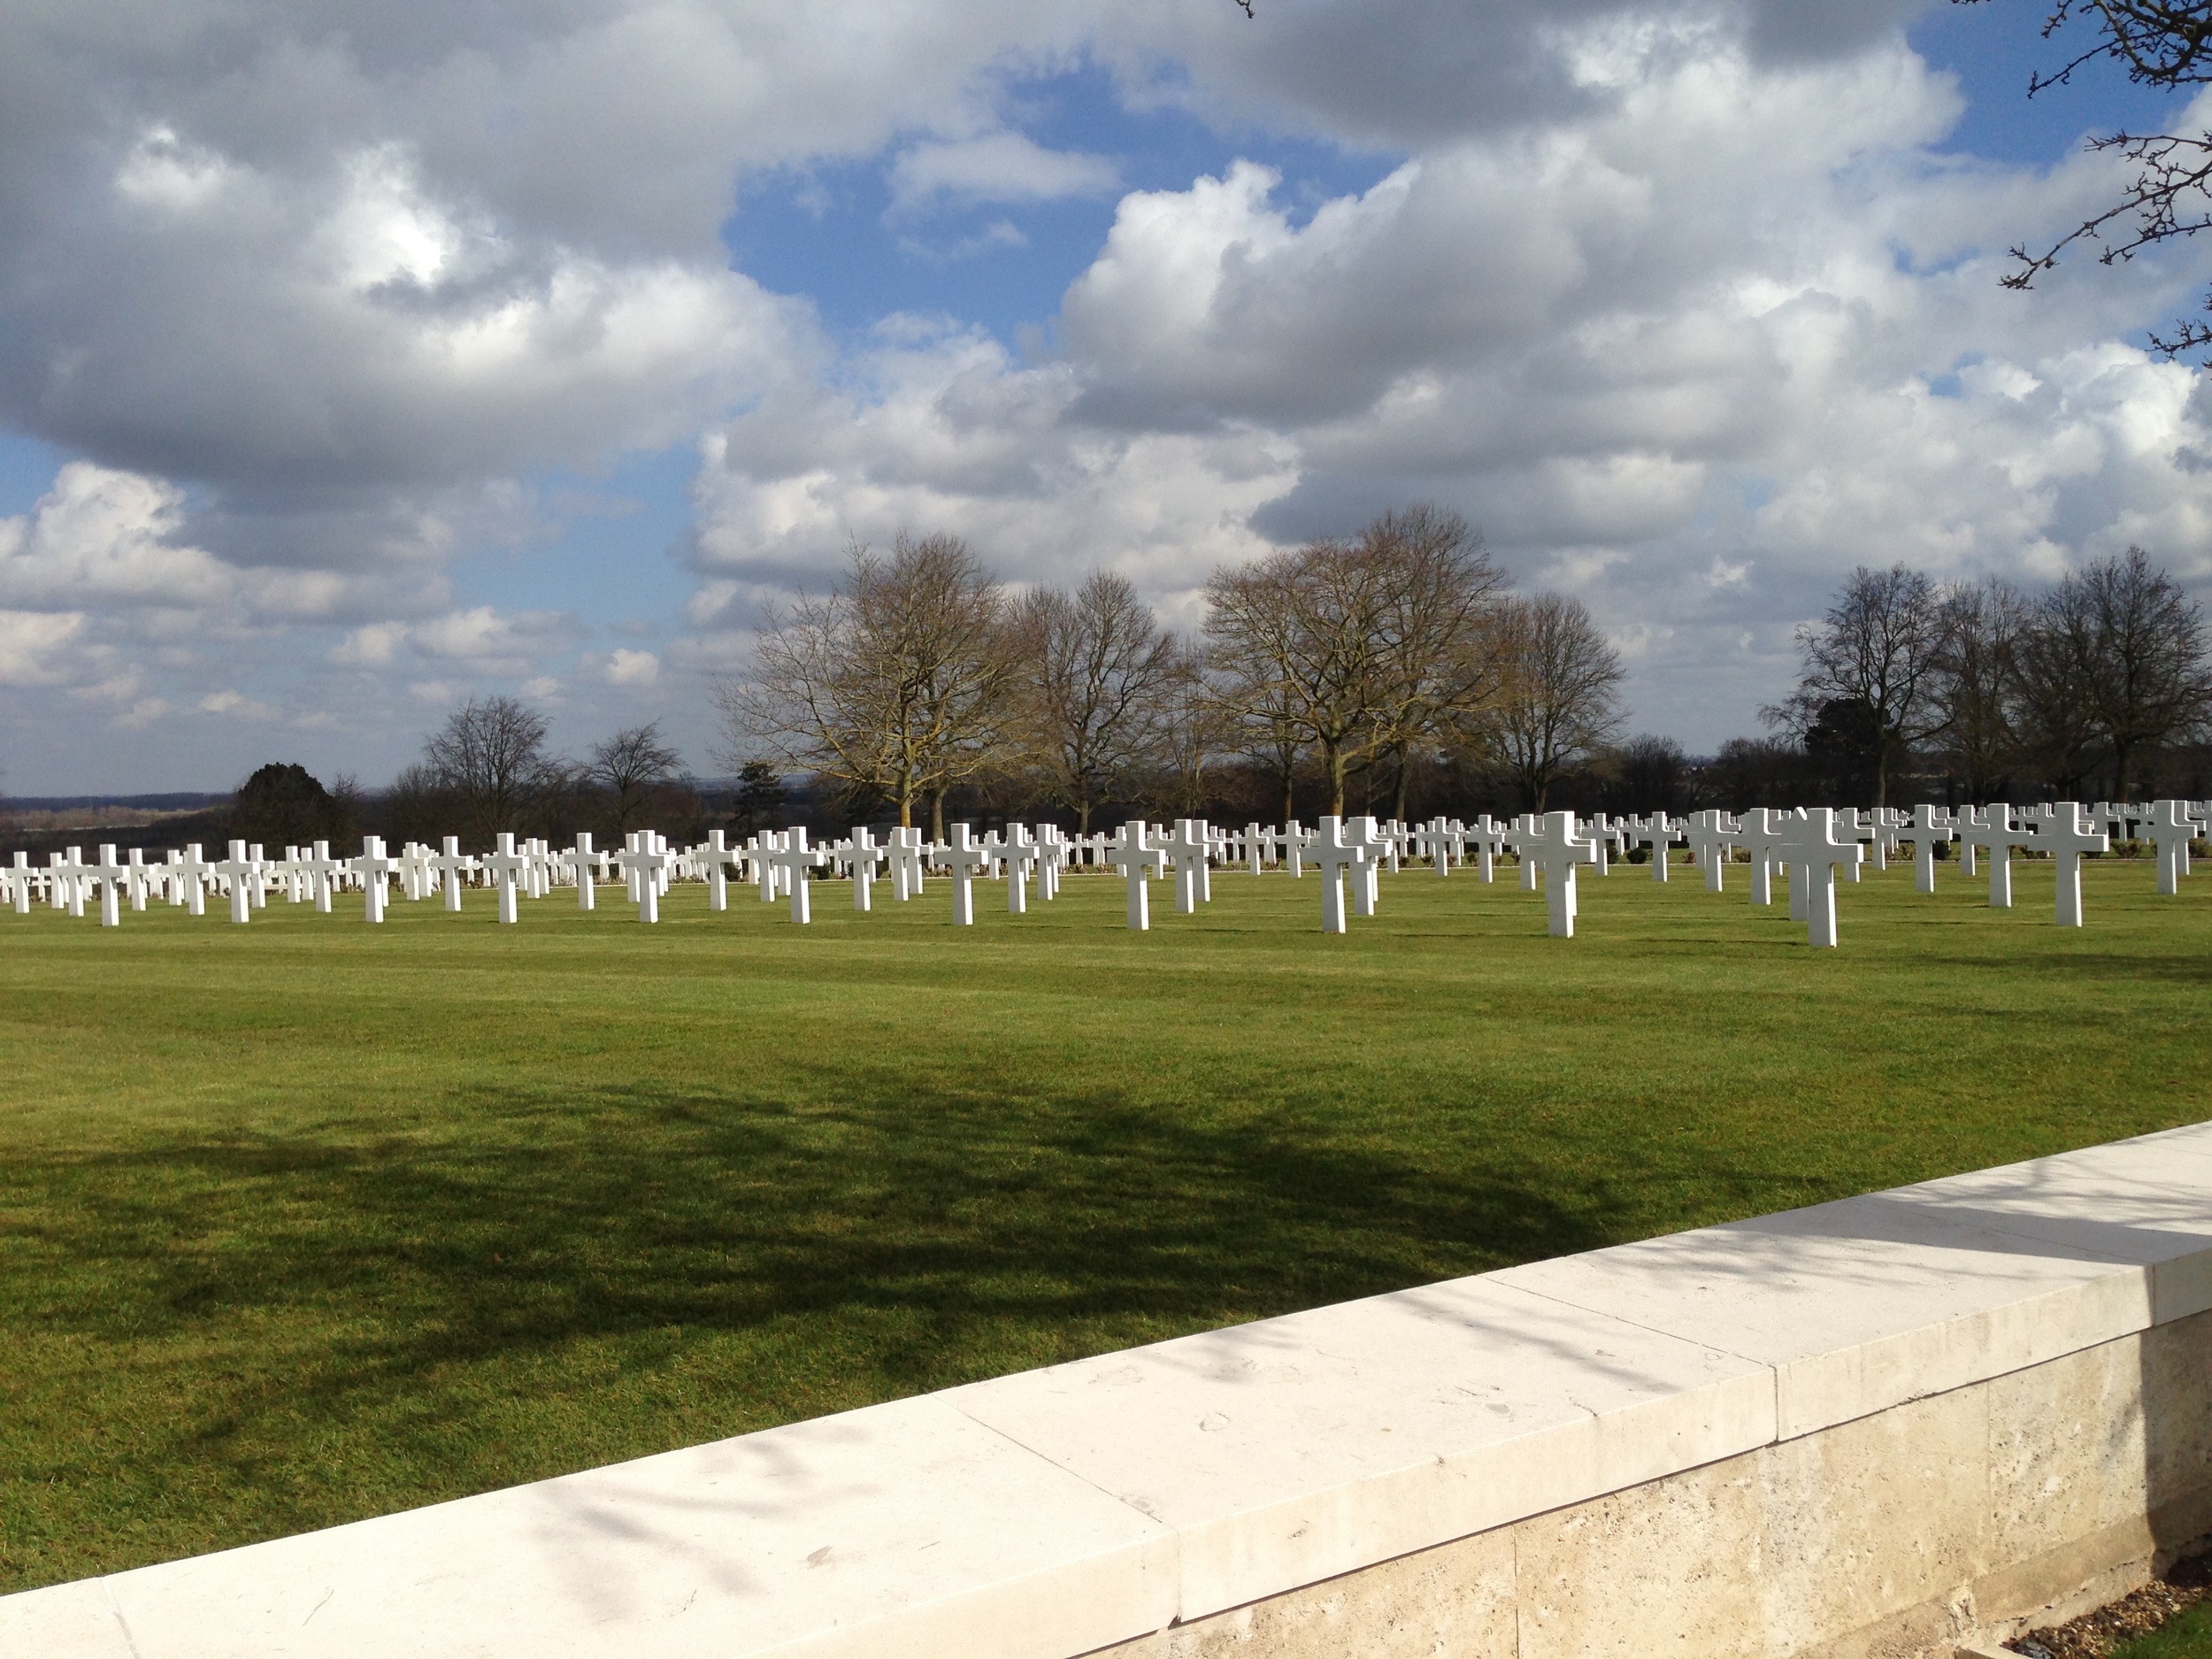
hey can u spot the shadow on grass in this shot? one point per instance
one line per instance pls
(923, 1238)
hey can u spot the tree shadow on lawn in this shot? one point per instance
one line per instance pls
(914, 1234)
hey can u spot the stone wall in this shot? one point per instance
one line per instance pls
(1980, 1512)
(1885, 1426)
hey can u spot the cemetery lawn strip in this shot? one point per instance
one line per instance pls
(307, 1221)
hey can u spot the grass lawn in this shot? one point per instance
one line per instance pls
(305, 1221)
(2188, 1636)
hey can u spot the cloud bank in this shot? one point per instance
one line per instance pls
(1688, 308)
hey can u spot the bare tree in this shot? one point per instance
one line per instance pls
(1194, 727)
(2148, 682)
(630, 768)
(1295, 641)
(1649, 774)
(1558, 697)
(2057, 660)
(489, 758)
(1879, 645)
(1354, 648)
(1097, 669)
(1440, 657)
(901, 682)
(2164, 44)
(1978, 683)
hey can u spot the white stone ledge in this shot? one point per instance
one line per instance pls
(1052, 1512)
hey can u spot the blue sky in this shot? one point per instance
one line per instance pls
(550, 352)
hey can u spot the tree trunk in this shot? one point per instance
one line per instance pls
(937, 815)
(1398, 803)
(1333, 757)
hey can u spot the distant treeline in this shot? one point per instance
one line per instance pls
(1391, 672)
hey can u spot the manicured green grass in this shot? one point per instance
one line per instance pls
(308, 1220)
(2187, 1636)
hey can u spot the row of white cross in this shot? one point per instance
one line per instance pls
(1810, 844)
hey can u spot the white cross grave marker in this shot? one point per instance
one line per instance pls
(964, 855)
(796, 860)
(374, 870)
(1054, 853)
(2066, 836)
(1550, 842)
(1658, 833)
(643, 860)
(1133, 853)
(907, 863)
(2172, 826)
(111, 874)
(1930, 828)
(192, 873)
(1020, 854)
(719, 859)
(238, 870)
(861, 856)
(1994, 829)
(452, 864)
(1711, 836)
(322, 875)
(587, 874)
(1185, 851)
(506, 866)
(1335, 854)
(1816, 849)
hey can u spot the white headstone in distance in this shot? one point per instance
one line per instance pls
(192, 874)
(1659, 833)
(1052, 856)
(375, 871)
(1139, 857)
(1928, 828)
(862, 855)
(506, 867)
(111, 873)
(717, 858)
(322, 875)
(644, 861)
(2066, 834)
(1185, 851)
(453, 867)
(237, 871)
(1711, 836)
(1550, 844)
(2170, 828)
(586, 873)
(1486, 836)
(907, 863)
(963, 856)
(1761, 835)
(1337, 855)
(1019, 853)
(1365, 876)
(1994, 832)
(1816, 846)
(796, 860)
